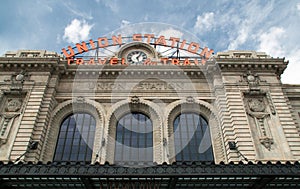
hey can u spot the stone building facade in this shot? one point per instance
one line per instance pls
(251, 115)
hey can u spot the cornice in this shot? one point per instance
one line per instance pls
(32, 64)
(275, 65)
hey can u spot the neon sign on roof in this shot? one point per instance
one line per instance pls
(103, 42)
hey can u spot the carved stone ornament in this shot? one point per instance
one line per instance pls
(256, 105)
(135, 99)
(190, 99)
(18, 80)
(13, 105)
(267, 142)
(6, 121)
(258, 111)
(80, 99)
(252, 80)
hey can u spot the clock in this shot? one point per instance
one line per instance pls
(136, 57)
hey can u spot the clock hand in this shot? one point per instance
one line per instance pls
(138, 57)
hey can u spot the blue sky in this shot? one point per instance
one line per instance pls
(260, 25)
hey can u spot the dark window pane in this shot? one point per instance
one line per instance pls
(134, 138)
(192, 138)
(76, 136)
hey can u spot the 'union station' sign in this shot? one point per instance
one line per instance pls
(103, 42)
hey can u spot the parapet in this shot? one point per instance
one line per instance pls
(31, 54)
(242, 54)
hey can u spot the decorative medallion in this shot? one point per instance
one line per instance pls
(13, 105)
(256, 105)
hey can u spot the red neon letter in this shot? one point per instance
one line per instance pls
(113, 61)
(205, 54)
(186, 62)
(123, 61)
(92, 44)
(101, 40)
(67, 54)
(137, 37)
(70, 60)
(81, 48)
(161, 40)
(149, 37)
(174, 40)
(117, 40)
(175, 61)
(196, 61)
(91, 61)
(102, 62)
(182, 44)
(79, 61)
(164, 60)
(193, 47)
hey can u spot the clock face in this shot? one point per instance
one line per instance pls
(136, 57)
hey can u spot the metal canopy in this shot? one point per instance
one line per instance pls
(183, 175)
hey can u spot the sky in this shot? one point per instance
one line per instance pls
(270, 26)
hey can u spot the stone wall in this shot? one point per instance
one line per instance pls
(238, 92)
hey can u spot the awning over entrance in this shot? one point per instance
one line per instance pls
(179, 175)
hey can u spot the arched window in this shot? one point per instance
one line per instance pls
(76, 138)
(192, 138)
(134, 139)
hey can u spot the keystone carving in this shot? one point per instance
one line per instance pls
(135, 99)
(190, 99)
(80, 99)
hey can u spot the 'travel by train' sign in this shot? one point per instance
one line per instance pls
(72, 53)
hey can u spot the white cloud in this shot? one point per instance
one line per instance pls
(112, 4)
(291, 74)
(274, 43)
(170, 32)
(242, 26)
(240, 39)
(124, 23)
(77, 31)
(298, 6)
(270, 42)
(205, 22)
(78, 12)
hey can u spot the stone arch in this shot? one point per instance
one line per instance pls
(120, 109)
(63, 110)
(208, 112)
